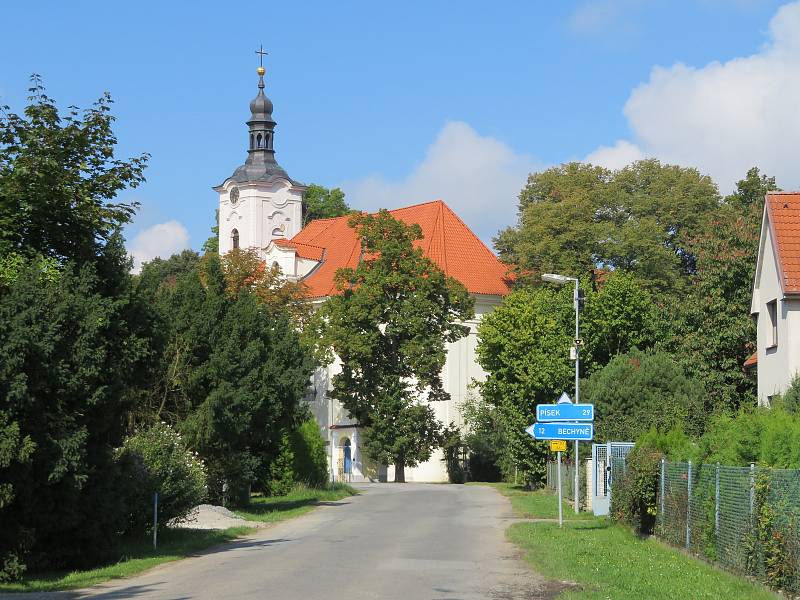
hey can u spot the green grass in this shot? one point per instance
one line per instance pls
(609, 561)
(541, 504)
(298, 502)
(135, 555)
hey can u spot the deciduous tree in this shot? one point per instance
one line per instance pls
(389, 325)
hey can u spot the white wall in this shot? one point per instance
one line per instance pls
(776, 365)
(265, 211)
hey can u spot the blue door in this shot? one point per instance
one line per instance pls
(347, 459)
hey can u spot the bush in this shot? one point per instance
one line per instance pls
(281, 476)
(168, 467)
(768, 437)
(640, 390)
(485, 440)
(453, 449)
(633, 496)
(310, 460)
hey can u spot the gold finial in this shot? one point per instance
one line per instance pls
(261, 71)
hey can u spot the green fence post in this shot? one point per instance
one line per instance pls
(716, 509)
(689, 507)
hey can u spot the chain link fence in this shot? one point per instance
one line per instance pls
(567, 481)
(746, 519)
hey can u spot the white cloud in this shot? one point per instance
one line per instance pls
(617, 156)
(478, 177)
(161, 240)
(726, 116)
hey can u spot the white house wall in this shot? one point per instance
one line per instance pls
(775, 364)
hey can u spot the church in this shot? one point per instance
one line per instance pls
(261, 208)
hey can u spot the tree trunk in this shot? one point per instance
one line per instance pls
(399, 473)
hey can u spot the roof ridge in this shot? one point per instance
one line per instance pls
(472, 233)
(442, 238)
(440, 201)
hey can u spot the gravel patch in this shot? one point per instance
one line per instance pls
(208, 516)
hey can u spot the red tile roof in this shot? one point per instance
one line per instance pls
(751, 361)
(783, 210)
(446, 240)
(302, 250)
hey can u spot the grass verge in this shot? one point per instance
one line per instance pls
(298, 502)
(540, 504)
(135, 555)
(609, 561)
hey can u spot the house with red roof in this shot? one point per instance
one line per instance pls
(261, 207)
(776, 296)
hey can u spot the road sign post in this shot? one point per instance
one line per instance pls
(558, 477)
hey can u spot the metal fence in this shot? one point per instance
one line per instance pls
(747, 519)
(567, 481)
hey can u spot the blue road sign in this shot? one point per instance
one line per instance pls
(564, 412)
(561, 431)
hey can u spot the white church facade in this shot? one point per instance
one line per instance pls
(261, 208)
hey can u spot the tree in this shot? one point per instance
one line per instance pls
(73, 362)
(642, 390)
(389, 325)
(322, 203)
(576, 217)
(211, 245)
(58, 180)
(716, 333)
(245, 271)
(75, 336)
(619, 316)
(523, 345)
(232, 375)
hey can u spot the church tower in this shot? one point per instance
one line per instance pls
(259, 202)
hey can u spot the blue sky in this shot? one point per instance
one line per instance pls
(400, 103)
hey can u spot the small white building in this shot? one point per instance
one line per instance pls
(260, 207)
(776, 296)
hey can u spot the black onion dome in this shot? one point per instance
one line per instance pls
(261, 107)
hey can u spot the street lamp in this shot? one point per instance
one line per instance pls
(562, 279)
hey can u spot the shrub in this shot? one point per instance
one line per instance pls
(281, 476)
(168, 467)
(640, 390)
(453, 449)
(633, 497)
(769, 437)
(310, 461)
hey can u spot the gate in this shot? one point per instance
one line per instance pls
(602, 459)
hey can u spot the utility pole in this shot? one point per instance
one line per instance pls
(577, 300)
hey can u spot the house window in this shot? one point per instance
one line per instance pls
(772, 311)
(235, 239)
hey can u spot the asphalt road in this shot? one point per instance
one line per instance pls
(408, 541)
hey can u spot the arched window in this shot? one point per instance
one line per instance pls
(235, 239)
(251, 141)
(266, 141)
(258, 140)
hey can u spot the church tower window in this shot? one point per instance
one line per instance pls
(235, 239)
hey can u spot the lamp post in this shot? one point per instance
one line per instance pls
(562, 279)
